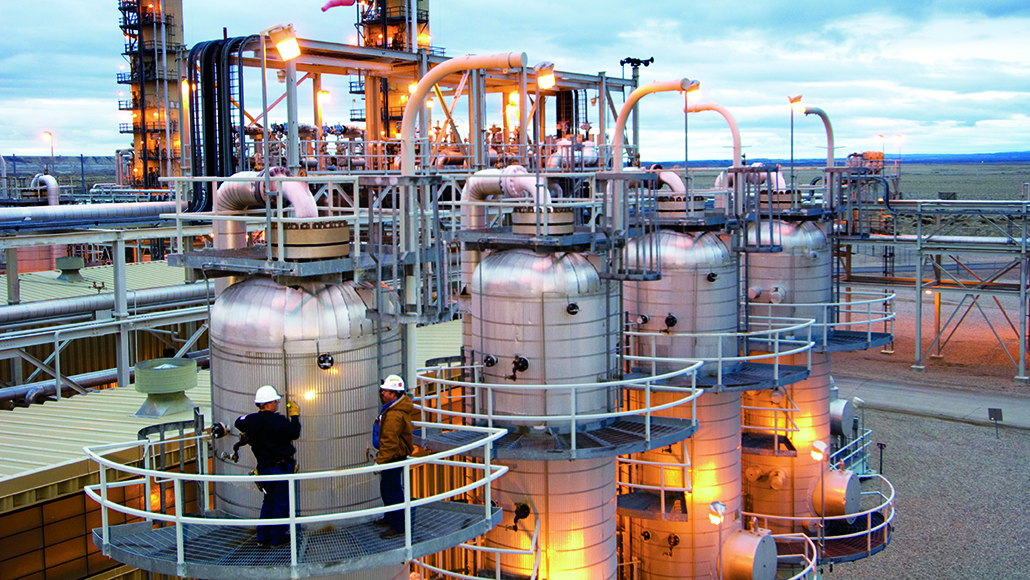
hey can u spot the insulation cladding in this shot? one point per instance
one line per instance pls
(782, 485)
(799, 274)
(575, 501)
(265, 333)
(553, 310)
(698, 288)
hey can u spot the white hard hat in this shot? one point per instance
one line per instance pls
(393, 383)
(266, 394)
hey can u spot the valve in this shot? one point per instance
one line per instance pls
(670, 320)
(572, 309)
(520, 364)
(646, 535)
(712, 277)
(489, 360)
(326, 361)
(522, 512)
(219, 430)
(643, 319)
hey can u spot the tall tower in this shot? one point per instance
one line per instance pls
(153, 43)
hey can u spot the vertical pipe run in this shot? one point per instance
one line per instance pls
(292, 137)
(121, 311)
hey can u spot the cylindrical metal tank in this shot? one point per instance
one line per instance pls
(266, 333)
(554, 312)
(698, 289)
(782, 485)
(799, 274)
(575, 501)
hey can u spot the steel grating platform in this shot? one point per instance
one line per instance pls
(749, 376)
(232, 553)
(648, 505)
(846, 549)
(765, 444)
(624, 436)
(853, 340)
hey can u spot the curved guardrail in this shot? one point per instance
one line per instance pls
(777, 337)
(661, 488)
(532, 550)
(807, 559)
(432, 401)
(884, 495)
(144, 476)
(841, 315)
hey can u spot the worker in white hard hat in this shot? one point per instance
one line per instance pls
(391, 435)
(271, 439)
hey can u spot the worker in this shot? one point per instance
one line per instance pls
(271, 439)
(391, 435)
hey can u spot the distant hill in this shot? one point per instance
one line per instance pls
(1008, 157)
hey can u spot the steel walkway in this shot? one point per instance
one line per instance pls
(232, 553)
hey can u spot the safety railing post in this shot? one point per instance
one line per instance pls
(180, 542)
(291, 490)
(573, 432)
(407, 510)
(104, 524)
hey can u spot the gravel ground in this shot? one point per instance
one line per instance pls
(961, 501)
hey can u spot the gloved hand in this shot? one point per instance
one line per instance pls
(292, 409)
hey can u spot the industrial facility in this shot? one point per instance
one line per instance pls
(621, 371)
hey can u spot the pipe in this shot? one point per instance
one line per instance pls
(85, 212)
(512, 181)
(673, 181)
(620, 126)
(414, 105)
(235, 196)
(69, 306)
(3, 177)
(567, 155)
(829, 131)
(35, 392)
(53, 191)
(734, 129)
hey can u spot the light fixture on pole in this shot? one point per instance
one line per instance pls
(285, 40)
(50, 137)
(716, 515)
(820, 452)
(795, 105)
(545, 75)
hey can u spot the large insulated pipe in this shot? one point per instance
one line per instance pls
(829, 131)
(620, 126)
(235, 196)
(734, 129)
(97, 211)
(411, 110)
(70, 306)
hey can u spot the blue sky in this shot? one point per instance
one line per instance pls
(947, 76)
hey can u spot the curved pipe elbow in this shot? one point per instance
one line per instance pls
(673, 181)
(53, 191)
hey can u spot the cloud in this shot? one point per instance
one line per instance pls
(947, 74)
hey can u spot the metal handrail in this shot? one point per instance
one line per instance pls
(661, 488)
(533, 550)
(810, 556)
(774, 333)
(884, 505)
(99, 492)
(575, 419)
(856, 448)
(846, 307)
(792, 426)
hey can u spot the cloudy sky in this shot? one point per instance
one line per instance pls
(948, 76)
